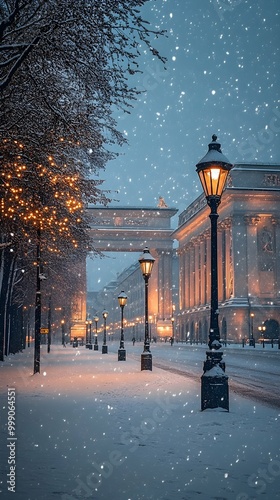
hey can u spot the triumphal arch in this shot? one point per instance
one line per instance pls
(130, 229)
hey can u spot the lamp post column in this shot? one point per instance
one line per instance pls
(104, 346)
(95, 340)
(172, 338)
(87, 344)
(122, 351)
(213, 170)
(146, 262)
(147, 337)
(122, 298)
(63, 332)
(90, 344)
(214, 333)
(252, 340)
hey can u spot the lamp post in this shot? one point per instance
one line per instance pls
(87, 344)
(95, 339)
(146, 262)
(104, 346)
(136, 328)
(63, 332)
(213, 170)
(122, 298)
(172, 338)
(252, 340)
(90, 344)
(262, 329)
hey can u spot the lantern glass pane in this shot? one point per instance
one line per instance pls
(213, 180)
(122, 300)
(146, 263)
(146, 267)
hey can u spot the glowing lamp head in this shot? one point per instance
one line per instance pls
(105, 314)
(122, 298)
(213, 170)
(146, 262)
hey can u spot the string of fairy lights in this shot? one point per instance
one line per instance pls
(40, 196)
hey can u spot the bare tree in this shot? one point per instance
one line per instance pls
(65, 67)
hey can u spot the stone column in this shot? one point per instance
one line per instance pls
(227, 272)
(164, 283)
(239, 257)
(220, 263)
(182, 279)
(196, 272)
(155, 287)
(252, 255)
(187, 277)
(192, 271)
(202, 270)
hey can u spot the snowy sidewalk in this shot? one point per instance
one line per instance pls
(89, 426)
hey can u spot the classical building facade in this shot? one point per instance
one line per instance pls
(248, 258)
(131, 282)
(131, 229)
(180, 285)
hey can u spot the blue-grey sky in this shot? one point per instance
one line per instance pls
(222, 76)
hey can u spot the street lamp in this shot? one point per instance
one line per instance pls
(104, 346)
(262, 329)
(172, 338)
(252, 340)
(95, 339)
(213, 170)
(90, 344)
(63, 332)
(122, 298)
(137, 328)
(87, 343)
(146, 262)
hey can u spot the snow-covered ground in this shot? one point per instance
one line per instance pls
(254, 372)
(89, 426)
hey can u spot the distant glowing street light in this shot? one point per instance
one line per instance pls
(252, 340)
(63, 332)
(262, 329)
(87, 342)
(122, 298)
(96, 319)
(146, 262)
(172, 338)
(90, 344)
(104, 346)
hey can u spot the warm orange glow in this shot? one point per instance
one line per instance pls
(213, 180)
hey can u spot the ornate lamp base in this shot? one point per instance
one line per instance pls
(121, 355)
(146, 361)
(214, 382)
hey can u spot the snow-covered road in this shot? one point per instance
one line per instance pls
(252, 372)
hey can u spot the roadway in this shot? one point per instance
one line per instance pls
(253, 372)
